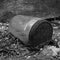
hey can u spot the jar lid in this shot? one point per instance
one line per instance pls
(40, 33)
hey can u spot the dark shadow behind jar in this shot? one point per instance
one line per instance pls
(6, 17)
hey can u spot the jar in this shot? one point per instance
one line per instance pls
(32, 31)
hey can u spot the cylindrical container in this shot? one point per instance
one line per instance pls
(31, 30)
